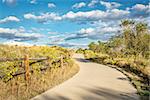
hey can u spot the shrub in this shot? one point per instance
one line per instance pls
(109, 61)
(89, 54)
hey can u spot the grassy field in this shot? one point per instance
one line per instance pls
(17, 88)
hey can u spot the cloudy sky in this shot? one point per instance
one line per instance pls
(67, 23)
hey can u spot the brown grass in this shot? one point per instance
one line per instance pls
(18, 89)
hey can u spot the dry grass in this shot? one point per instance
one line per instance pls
(18, 89)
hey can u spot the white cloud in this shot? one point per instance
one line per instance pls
(96, 15)
(21, 29)
(30, 16)
(109, 29)
(93, 3)
(10, 19)
(79, 5)
(51, 5)
(18, 34)
(140, 7)
(68, 44)
(11, 42)
(7, 30)
(53, 33)
(118, 13)
(87, 30)
(99, 30)
(43, 17)
(110, 5)
(139, 11)
(97, 33)
(88, 16)
(33, 2)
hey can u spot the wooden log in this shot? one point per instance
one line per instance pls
(20, 59)
(10, 59)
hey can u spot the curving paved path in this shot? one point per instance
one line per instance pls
(92, 82)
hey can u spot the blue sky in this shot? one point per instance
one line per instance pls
(67, 23)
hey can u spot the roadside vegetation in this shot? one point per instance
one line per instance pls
(15, 87)
(128, 52)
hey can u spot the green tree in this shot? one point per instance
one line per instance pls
(102, 47)
(142, 39)
(136, 37)
(92, 46)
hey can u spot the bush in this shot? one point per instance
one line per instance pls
(80, 50)
(89, 54)
(109, 61)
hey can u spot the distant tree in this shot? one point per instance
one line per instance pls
(134, 40)
(80, 50)
(102, 47)
(142, 39)
(92, 46)
(136, 37)
(128, 33)
(115, 42)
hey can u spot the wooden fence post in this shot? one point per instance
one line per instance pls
(26, 64)
(61, 61)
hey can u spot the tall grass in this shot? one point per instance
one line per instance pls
(17, 88)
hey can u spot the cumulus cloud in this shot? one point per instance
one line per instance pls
(51, 5)
(81, 16)
(57, 38)
(52, 32)
(110, 5)
(101, 32)
(140, 7)
(95, 15)
(43, 17)
(18, 34)
(94, 33)
(79, 5)
(10, 19)
(139, 10)
(75, 36)
(98, 30)
(84, 17)
(33, 2)
(30, 16)
(87, 30)
(93, 3)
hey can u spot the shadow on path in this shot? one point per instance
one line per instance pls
(82, 60)
(96, 93)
